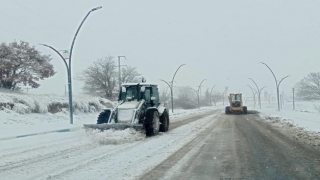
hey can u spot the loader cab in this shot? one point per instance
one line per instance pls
(235, 97)
(129, 93)
(137, 92)
(151, 96)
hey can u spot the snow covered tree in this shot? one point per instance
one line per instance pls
(100, 79)
(309, 87)
(22, 64)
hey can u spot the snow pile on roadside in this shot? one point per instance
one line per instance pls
(298, 133)
(30, 103)
(112, 136)
(304, 116)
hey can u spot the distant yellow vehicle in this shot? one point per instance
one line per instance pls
(236, 104)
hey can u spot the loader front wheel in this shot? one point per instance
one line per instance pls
(227, 111)
(164, 119)
(152, 124)
(103, 117)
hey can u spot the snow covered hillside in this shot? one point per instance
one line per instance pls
(29, 103)
(22, 114)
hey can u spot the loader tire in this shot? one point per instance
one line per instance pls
(152, 123)
(245, 110)
(164, 119)
(227, 111)
(103, 117)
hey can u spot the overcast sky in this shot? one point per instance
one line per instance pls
(221, 41)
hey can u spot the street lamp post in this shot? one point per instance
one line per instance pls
(171, 86)
(168, 86)
(199, 89)
(211, 93)
(120, 70)
(69, 66)
(254, 96)
(277, 84)
(197, 92)
(259, 91)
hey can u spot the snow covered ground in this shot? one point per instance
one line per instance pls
(93, 155)
(110, 154)
(304, 115)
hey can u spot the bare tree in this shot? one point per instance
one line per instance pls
(206, 98)
(129, 74)
(186, 98)
(317, 107)
(216, 97)
(164, 95)
(309, 87)
(100, 78)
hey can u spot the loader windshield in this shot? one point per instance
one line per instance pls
(130, 94)
(235, 97)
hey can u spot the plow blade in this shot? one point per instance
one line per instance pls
(116, 126)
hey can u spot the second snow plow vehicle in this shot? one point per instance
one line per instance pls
(236, 104)
(139, 108)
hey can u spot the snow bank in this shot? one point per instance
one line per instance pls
(303, 122)
(29, 103)
(298, 133)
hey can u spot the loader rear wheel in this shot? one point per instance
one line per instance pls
(164, 119)
(245, 110)
(103, 117)
(152, 124)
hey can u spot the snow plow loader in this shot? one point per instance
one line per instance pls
(138, 107)
(236, 104)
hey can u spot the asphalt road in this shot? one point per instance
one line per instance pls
(241, 147)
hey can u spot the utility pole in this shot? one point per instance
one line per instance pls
(294, 106)
(120, 70)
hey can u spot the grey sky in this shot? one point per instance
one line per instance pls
(222, 41)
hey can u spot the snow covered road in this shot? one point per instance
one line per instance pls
(91, 155)
(241, 147)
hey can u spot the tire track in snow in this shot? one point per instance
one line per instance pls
(27, 148)
(45, 157)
